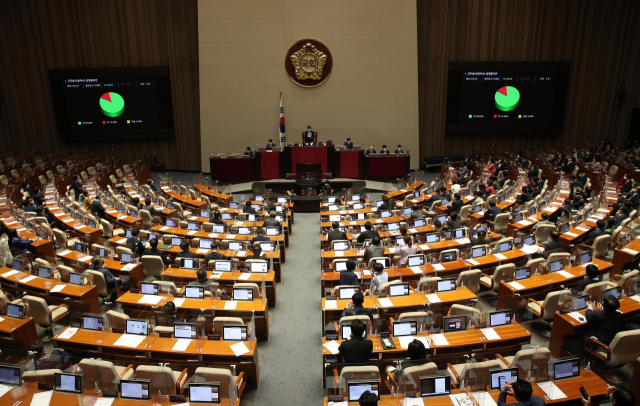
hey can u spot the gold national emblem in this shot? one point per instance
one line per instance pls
(308, 62)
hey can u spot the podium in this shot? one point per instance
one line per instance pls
(311, 168)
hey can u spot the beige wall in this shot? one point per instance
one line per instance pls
(371, 95)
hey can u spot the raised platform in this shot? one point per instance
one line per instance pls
(307, 199)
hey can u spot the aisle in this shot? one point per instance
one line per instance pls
(292, 370)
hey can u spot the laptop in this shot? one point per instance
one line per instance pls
(448, 257)
(405, 328)
(204, 393)
(222, 265)
(188, 263)
(251, 217)
(361, 216)
(407, 211)
(259, 267)
(459, 233)
(234, 205)
(171, 223)
(194, 292)
(44, 272)
(500, 377)
(398, 289)
(446, 285)
(134, 389)
(340, 266)
(340, 246)
(419, 223)
(454, 323)
(345, 331)
(555, 266)
(566, 368)
(393, 226)
(126, 258)
(334, 217)
(385, 214)
(358, 206)
(384, 262)
(477, 252)
(435, 386)
(432, 238)
(234, 333)
(244, 230)
(529, 240)
(333, 207)
(205, 213)
(76, 279)
(616, 292)
(235, 246)
(506, 246)
(176, 241)
(67, 383)
(226, 216)
(10, 375)
(90, 322)
(355, 389)
(518, 217)
(346, 293)
(415, 260)
(522, 273)
(217, 228)
(16, 264)
(500, 318)
(148, 288)
(184, 330)
(379, 203)
(193, 226)
(243, 294)
(259, 198)
(16, 311)
(205, 244)
(137, 327)
(272, 231)
(579, 303)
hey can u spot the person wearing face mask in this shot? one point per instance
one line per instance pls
(384, 150)
(348, 144)
(399, 150)
(371, 150)
(309, 136)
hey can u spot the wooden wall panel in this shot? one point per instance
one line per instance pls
(36, 35)
(600, 38)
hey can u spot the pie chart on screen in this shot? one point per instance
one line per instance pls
(507, 98)
(112, 104)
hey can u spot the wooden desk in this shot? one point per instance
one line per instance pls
(93, 234)
(400, 194)
(72, 258)
(44, 247)
(258, 307)
(162, 211)
(256, 224)
(634, 386)
(565, 326)
(227, 279)
(188, 202)
(220, 198)
(621, 256)
(77, 298)
(160, 349)
(17, 334)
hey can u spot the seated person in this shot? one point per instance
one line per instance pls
(457, 203)
(97, 264)
(399, 150)
(97, 209)
(216, 218)
(349, 277)
(522, 391)
(202, 280)
(591, 277)
(387, 204)
(153, 250)
(168, 316)
(326, 188)
(148, 207)
(374, 250)
(248, 209)
(214, 254)
(605, 321)
(479, 237)
(134, 244)
(619, 397)
(407, 249)
(518, 206)
(622, 216)
(150, 183)
(41, 213)
(370, 151)
(257, 254)
(260, 236)
(492, 211)
(309, 136)
(380, 277)
(417, 356)
(184, 250)
(416, 212)
(384, 150)
(28, 206)
(348, 144)
(270, 145)
(356, 349)
(249, 152)
(544, 222)
(597, 232)
(368, 399)
(38, 197)
(453, 223)
(554, 243)
(335, 233)
(368, 233)
(355, 308)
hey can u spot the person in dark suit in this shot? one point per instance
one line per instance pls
(248, 209)
(596, 232)
(373, 251)
(358, 310)
(416, 212)
(492, 211)
(453, 223)
(357, 349)
(570, 166)
(150, 183)
(524, 163)
(335, 233)
(525, 196)
(367, 234)
(533, 173)
(554, 243)
(148, 207)
(216, 218)
(97, 264)
(387, 204)
(622, 216)
(348, 144)
(97, 209)
(270, 220)
(399, 150)
(592, 277)
(270, 145)
(28, 206)
(153, 250)
(480, 237)
(522, 391)
(635, 197)
(457, 203)
(619, 397)
(75, 185)
(133, 243)
(184, 250)
(214, 254)
(26, 188)
(384, 150)
(249, 152)
(38, 197)
(326, 188)
(259, 236)
(370, 151)
(40, 212)
(257, 254)
(627, 185)
(309, 136)
(348, 277)
(202, 280)
(605, 321)
(582, 177)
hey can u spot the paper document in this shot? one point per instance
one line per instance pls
(332, 346)
(129, 340)
(500, 256)
(582, 229)
(439, 340)
(230, 305)
(85, 258)
(385, 302)
(423, 247)
(565, 274)
(636, 298)
(68, 333)
(8, 274)
(67, 220)
(4, 389)
(551, 390)
(530, 249)
(413, 230)
(630, 251)
(406, 340)
(525, 222)
(28, 279)
(515, 285)
(577, 316)
(571, 234)
(244, 276)
(150, 299)
(164, 228)
(366, 272)
(473, 262)
(330, 304)
(239, 349)
(201, 251)
(178, 302)
(128, 267)
(490, 333)
(216, 275)
(339, 253)
(104, 402)
(484, 398)
(463, 241)
(433, 298)
(192, 232)
(65, 252)
(416, 269)
(231, 236)
(122, 241)
(42, 398)
(438, 267)
(241, 253)
(181, 344)
(549, 209)
(57, 288)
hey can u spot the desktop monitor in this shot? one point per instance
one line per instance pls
(442, 219)
(272, 231)
(340, 246)
(345, 331)
(217, 228)
(267, 246)
(102, 252)
(355, 389)
(251, 217)
(284, 200)
(91, 223)
(171, 223)
(506, 246)
(459, 233)
(259, 267)
(398, 289)
(226, 216)
(333, 207)
(501, 198)
(358, 206)
(188, 263)
(204, 393)
(243, 294)
(585, 257)
(259, 198)
(235, 246)
(16, 264)
(184, 330)
(523, 272)
(234, 205)
(334, 217)
(244, 230)
(234, 333)
(10, 375)
(355, 198)
(477, 252)
(383, 261)
(127, 234)
(415, 260)
(579, 303)
(90, 322)
(133, 213)
(79, 247)
(205, 244)
(532, 210)
(44, 272)
(138, 327)
(393, 226)
(500, 377)
(447, 257)
(400, 241)
(407, 211)
(435, 386)
(566, 227)
(405, 328)
(616, 292)
(567, 368)
(170, 205)
(256, 206)
(379, 203)
(194, 292)
(385, 214)
(193, 226)
(361, 216)
(543, 205)
(500, 318)
(68, 383)
(579, 218)
(79, 217)
(416, 194)
(148, 288)
(222, 265)
(205, 213)
(446, 285)
(555, 266)
(330, 199)
(529, 240)
(152, 236)
(76, 279)
(126, 258)
(340, 266)
(518, 217)
(419, 223)
(433, 237)
(347, 292)
(444, 202)
(477, 208)
(16, 311)
(42, 233)
(136, 390)
(176, 241)
(454, 323)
